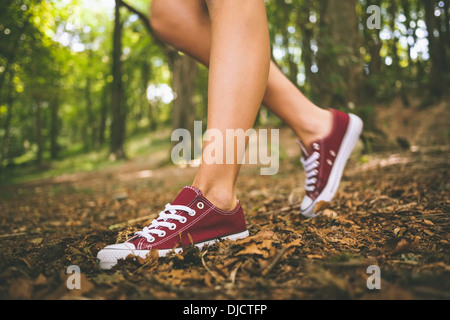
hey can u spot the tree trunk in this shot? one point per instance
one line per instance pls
(340, 75)
(374, 45)
(183, 84)
(447, 23)
(307, 35)
(105, 103)
(117, 102)
(90, 123)
(437, 60)
(38, 132)
(54, 127)
(7, 125)
(396, 59)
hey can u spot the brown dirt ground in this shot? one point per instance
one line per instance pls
(392, 210)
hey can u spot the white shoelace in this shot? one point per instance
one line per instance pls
(162, 221)
(310, 164)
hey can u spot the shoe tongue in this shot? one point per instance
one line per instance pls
(304, 149)
(186, 195)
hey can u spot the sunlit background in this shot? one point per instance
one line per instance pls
(56, 57)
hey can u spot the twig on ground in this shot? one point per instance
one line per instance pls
(212, 273)
(275, 261)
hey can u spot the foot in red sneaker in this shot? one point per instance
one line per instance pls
(190, 219)
(325, 159)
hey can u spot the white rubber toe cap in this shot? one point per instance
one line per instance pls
(307, 207)
(109, 256)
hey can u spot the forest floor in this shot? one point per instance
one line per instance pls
(392, 210)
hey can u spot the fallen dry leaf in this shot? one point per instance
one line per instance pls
(320, 206)
(253, 248)
(394, 215)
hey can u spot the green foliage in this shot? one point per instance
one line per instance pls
(55, 67)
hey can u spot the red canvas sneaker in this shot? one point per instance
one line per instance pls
(324, 161)
(190, 219)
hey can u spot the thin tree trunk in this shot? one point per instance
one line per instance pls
(91, 124)
(307, 33)
(38, 132)
(436, 76)
(103, 114)
(54, 127)
(396, 59)
(7, 126)
(117, 102)
(183, 84)
(339, 58)
(374, 46)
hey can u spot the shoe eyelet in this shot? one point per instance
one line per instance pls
(200, 205)
(173, 227)
(162, 235)
(184, 220)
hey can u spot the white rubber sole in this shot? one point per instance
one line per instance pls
(351, 137)
(110, 255)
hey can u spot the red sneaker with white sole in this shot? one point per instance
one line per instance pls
(325, 159)
(190, 219)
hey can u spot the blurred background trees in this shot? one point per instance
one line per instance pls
(79, 75)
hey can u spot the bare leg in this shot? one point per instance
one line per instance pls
(187, 26)
(239, 68)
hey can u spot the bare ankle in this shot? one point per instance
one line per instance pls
(222, 202)
(315, 128)
(222, 198)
